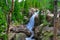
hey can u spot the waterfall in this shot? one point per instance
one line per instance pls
(30, 25)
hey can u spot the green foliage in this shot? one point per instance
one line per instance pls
(2, 19)
(4, 6)
(17, 15)
(47, 35)
(3, 24)
(59, 4)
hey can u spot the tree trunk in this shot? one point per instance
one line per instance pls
(55, 20)
(9, 18)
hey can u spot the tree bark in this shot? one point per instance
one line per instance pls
(55, 20)
(9, 18)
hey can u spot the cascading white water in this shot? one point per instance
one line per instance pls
(30, 25)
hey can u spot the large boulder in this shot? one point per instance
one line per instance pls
(21, 29)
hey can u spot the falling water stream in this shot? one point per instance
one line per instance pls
(30, 25)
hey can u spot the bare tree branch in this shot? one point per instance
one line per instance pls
(9, 18)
